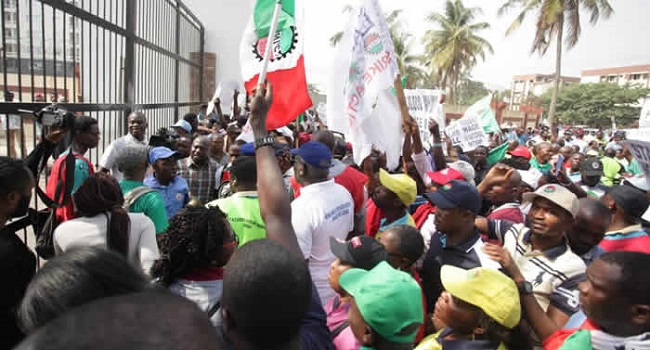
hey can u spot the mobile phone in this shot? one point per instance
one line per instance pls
(558, 165)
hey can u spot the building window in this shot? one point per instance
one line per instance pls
(611, 78)
(635, 77)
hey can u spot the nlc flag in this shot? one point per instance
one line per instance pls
(286, 69)
(361, 102)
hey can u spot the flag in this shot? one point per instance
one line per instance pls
(482, 110)
(497, 154)
(286, 69)
(360, 101)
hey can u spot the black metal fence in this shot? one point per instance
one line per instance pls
(100, 58)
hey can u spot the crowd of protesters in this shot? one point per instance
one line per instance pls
(205, 241)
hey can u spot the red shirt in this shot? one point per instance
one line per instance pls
(557, 339)
(629, 239)
(66, 212)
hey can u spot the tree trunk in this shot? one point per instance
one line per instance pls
(556, 84)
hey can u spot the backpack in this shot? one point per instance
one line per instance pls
(132, 196)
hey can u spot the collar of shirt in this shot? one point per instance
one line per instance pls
(317, 187)
(193, 165)
(245, 194)
(551, 253)
(626, 230)
(464, 246)
(401, 221)
(129, 138)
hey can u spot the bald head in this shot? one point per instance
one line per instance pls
(325, 137)
(137, 125)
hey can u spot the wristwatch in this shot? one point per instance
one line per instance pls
(525, 288)
(265, 141)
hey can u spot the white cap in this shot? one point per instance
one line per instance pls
(466, 169)
(531, 177)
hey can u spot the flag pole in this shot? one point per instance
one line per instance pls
(401, 99)
(269, 42)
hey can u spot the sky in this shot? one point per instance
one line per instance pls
(618, 41)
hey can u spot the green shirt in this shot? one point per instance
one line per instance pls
(634, 168)
(150, 204)
(611, 170)
(243, 212)
(544, 168)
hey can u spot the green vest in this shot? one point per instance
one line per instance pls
(243, 212)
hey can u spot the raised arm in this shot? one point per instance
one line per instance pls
(438, 156)
(274, 202)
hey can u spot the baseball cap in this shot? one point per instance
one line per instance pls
(592, 167)
(389, 300)
(466, 169)
(400, 184)
(633, 201)
(445, 175)
(315, 154)
(592, 153)
(157, 153)
(183, 124)
(456, 194)
(362, 252)
(531, 177)
(247, 149)
(490, 290)
(521, 151)
(559, 195)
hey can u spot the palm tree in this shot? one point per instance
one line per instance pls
(454, 48)
(409, 65)
(554, 17)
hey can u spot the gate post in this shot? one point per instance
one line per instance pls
(129, 60)
(176, 61)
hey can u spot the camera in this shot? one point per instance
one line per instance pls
(53, 116)
(164, 137)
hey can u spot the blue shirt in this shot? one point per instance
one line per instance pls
(175, 195)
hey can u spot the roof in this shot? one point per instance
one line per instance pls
(645, 68)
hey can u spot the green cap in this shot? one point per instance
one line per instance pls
(390, 301)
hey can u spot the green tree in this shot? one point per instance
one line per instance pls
(554, 18)
(408, 64)
(470, 91)
(454, 48)
(595, 104)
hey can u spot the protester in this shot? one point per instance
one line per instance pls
(611, 168)
(575, 167)
(626, 204)
(103, 222)
(203, 175)
(242, 208)
(404, 246)
(324, 209)
(183, 147)
(76, 278)
(479, 307)
(542, 157)
(361, 252)
(614, 298)
(132, 161)
(456, 240)
(480, 164)
(589, 226)
(217, 152)
(137, 124)
(591, 172)
(501, 188)
(197, 244)
(520, 158)
(633, 168)
(394, 194)
(133, 321)
(85, 133)
(182, 128)
(173, 188)
(385, 311)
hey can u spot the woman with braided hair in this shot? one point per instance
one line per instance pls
(102, 221)
(195, 247)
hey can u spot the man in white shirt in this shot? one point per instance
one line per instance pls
(323, 210)
(137, 129)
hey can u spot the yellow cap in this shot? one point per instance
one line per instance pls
(400, 184)
(490, 290)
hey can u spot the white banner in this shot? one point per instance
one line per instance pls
(644, 120)
(424, 104)
(467, 132)
(641, 152)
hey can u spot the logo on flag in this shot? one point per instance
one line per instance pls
(284, 43)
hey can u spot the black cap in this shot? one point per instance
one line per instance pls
(592, 166)
(633, 201)
(361, 252)
(456, 194)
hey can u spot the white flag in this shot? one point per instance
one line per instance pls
(361, 102)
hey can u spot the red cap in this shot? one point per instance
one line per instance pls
(445, 175)
(521, 151)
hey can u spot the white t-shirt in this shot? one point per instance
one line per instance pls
(205, 294)
(322, 210)
(83, 232)
(109, 158)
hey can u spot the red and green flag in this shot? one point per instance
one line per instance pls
(286, 69)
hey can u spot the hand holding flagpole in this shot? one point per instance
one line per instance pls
(269, 42)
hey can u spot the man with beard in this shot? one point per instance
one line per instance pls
(137, 128)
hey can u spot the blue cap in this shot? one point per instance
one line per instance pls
(456, 194)
(247, 149)
(315, 154)
(157, 153)
(183, 124)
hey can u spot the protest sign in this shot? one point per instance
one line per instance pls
(423, 105)
(467, 133)
(224, 92)
(641, 152)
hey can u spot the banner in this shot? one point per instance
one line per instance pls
(467, 132)
(360, 103)
(644, 120)
(482, 111)
(224, 92)
(641, 152)
(424, 104)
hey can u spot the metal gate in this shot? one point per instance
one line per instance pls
(103, 58)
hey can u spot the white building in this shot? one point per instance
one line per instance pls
(533, 85)
(635, 75)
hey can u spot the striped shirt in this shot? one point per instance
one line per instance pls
(554, 273)
(631, 239)
(203, 180)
